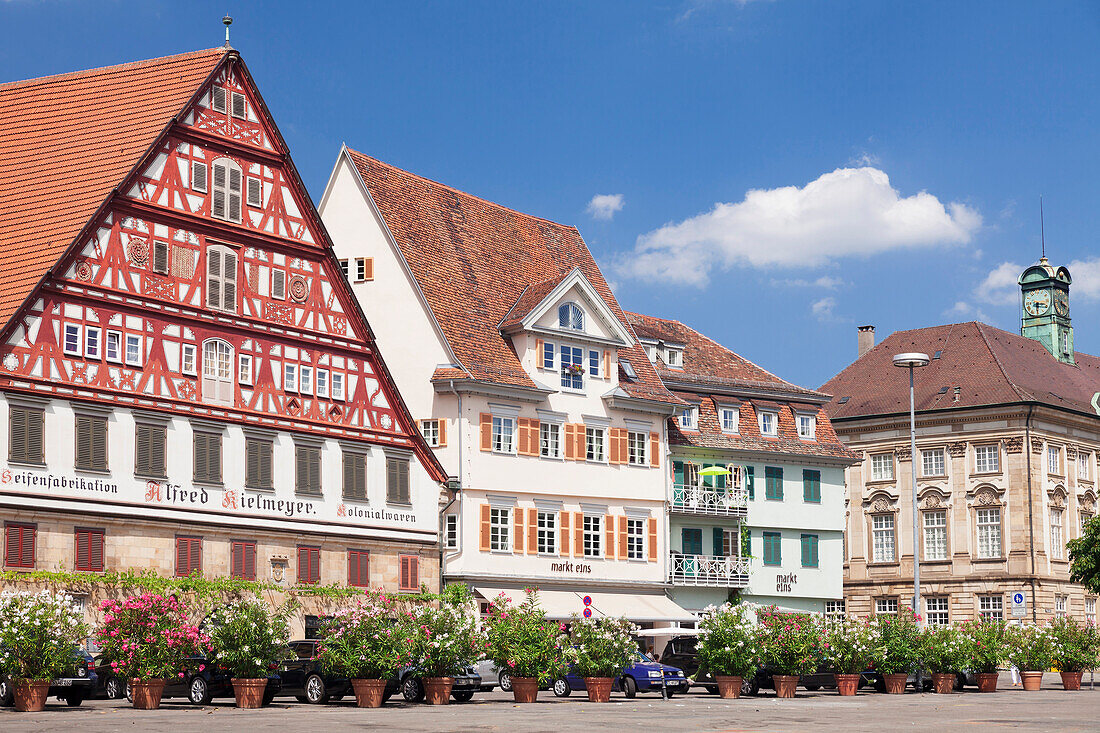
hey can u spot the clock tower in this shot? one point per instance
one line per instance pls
(1044, 315)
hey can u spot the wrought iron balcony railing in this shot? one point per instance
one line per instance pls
(730, 502)
(709, 570)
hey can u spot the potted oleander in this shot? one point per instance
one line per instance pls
(790, 645)
(248, 641)
(368, 644)
(727, 647)
(1074, 648)
(445, 640)
(899, 648)
(524, 644)
(985, 640)
(38, 636)
(849, 646)
(147, 638)
(1030, 650)
(944, 651)
(598, 650)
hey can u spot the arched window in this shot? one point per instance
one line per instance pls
(217, 372)
(571, 316)
(225, 202)
(221, 278)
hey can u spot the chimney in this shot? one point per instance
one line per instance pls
(866, 339)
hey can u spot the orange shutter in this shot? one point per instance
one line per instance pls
(609, 536)
(521, 438)
(517, 527)
(442, 432)
(624, 451)
(486, 431)
(616, 455)
(578, 534)
(484, 543)
(532, 531)
(652, 539)
(369, 268)
(581, 450)
(623, 554)
(533, 436)
(607, 365)
(538, 353)
(570, 445)
(655, 449)
(563, 533)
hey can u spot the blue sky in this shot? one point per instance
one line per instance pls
(771, 172)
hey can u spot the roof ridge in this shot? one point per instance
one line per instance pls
(981, 332)
(68, 75)
(459, 191)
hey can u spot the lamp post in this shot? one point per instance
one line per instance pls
(911, 361)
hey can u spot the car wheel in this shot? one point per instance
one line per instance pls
(630, 687)
(561, 688)
(73, 700)
(315, 690)
(7, 694)
(712, 689)
(960, 683)
(463, 695)
(505, 682)
(269, 695)
(412, 690)
(198, 692)
(749, 687)
(114, 689)
(129, 693)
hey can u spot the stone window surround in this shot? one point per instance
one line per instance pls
(986, 496)
(879, 503)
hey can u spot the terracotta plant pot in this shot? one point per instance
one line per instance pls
(987, 681)
(847, 684)
(30, 695)
(525, 689)
(369, 693)
(943, 683)
(729, 687)
(437, 690)
(147, 693)
(895, 683)
(1032, 680)
(785, 684)
(598, 688)
(1071, 680)
(249, 692)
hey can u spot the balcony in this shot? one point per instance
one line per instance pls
(688, 499)
(715, 571)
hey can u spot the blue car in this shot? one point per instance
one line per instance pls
(645, 675)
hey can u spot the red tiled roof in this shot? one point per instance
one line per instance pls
(66, 141)
(528, 300)
(473, 260)
(987, 365)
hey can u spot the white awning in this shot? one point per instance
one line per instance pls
(558, 604)
(561, 604)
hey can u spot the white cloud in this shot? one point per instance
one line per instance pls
(849, 212)
(1086, 279)
(604, 206)
(965, 311)
(864, 159)
(825, 281)
(824, 309)
(1000, 286)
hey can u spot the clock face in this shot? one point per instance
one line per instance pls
(1037, 302)
(1061, 303)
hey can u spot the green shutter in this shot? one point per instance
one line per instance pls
(811, 486)
(691, 540)
(773, 483)
(678, 472)
(750, 481)
(773, 552)
(716, 534)
(809, 550)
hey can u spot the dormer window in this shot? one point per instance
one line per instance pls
(689, 418)
(768, 423)
(807, 426)
(674, 358)
(651, 352)
(571, 316)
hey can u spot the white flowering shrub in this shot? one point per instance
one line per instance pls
(726, 643)
(600, 647)
(1030, 647)
(248, 639)
(445, 639)
(38, 634)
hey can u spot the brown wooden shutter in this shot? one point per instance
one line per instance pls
(17, 435)
(368, 268)
(613, 454)
(278, 284)
(563, 533)
(517, 530)
(618, 445)
(578, 534)
(188, 555)
(623, 554)
(580, 450)
(610, 547)
(250, 560)
(607, 365)
(538, 354)
(414, 572)
(532, 531)
(12, 545)
(652, 539)
(81, 537)
(403, 572)
(83, 442)
(95, 550)
(19, 544)
(570, 443)
(486, 431)
(521, 438)
(236, 559)
(442, 432)
(655, 449)
(484, 534)
(303, 564)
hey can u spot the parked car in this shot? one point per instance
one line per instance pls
(923, 683)
(680, 651)
(303, 677)
(109, 683)
(202, 680)
(644, 675)
(74, 688)
(491, 676)
(409, 681)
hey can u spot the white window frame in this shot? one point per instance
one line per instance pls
(934, 531)
(834, 610)
(337, 382)
(594, 358)
(90, 351)
(1060, 604)
(689, 418)
(321, 383)
(768, 420)
(72, 333)
(635, 538)
(571, 382)
(1054, 460)
(804, 419)
(988, 523)
(305, 379)
(188, 360)
(500, 528)
(550, 439)
(1090, 610)
(733, 425)
(592, 535)
(429, 429)
(886, 606)
(549, 349)
(360, 269)
(991, 607)
(503, 433)
(637, 448)
(217, 372)
(546, 532)
(595, 444)
(880, 462)
(450, 532)
(1057, 533)
(933, 462)
(937, 610)
(987, 458)
(290, 376)
(674, 358)
(1083, 461)
(883, 538)
(136, 340)
(244, 369)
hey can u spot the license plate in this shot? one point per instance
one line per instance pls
(63, 683)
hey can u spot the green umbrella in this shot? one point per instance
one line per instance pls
(714, 471)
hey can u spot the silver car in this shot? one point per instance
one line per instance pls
(491, 676)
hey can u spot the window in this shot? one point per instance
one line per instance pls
(592, 527)
(450, 531)
(238, 108)
(25, 432)
(689, 418)
(409, 575)
(71, 345)
(882, 467)
(547, 355)
(811, 486)
(882, 538)
(989, 533)
(114, 347)
(636, 448)
(91, 443)
(768, 424)
(255, 192)
(160, 256)
(729, 543)
(594, 444)
(430, 430)
(773, 483)
(936, 611)
(773, 548)
(886, 606)
(244, 369)
(547, 537)
(198, 176)
(188, 556)
(550, 440)
(257, 463)
(364, 269)
(1054, 459)
(834, 611)
(242, 559)
(729, 418)
(278, 284)
(635, 539)
(987, 459)
(691, 540)
(226, 195)
(187, 358)
(150, 450)
(504, 429)
(1059, 606)
(218, 100)
(89, 550)
(935, 535)
(307, 469)
(337, 386)
(397, 480)
(92, 342)
(1083, 461)
(290, 377)
(593, 363)
(1090, 611)
(133, 350)
(809, 550)
(807, 427)
(217, 372)
(570, 316)
(572, 367)
(305, 379)
(674, 358)
(359, 568)
(1057, 543)
(345, 268)
(221, 278)
(309, 564)
(355, 476)
(19, 541)
(208, 458)
(991, 608)
(500, 529)
(628, 370)
(321, 383)
(933, 462)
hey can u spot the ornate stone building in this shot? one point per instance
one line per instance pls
(1008, 435)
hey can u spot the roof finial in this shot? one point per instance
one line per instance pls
(227, 21)
(1042, 229)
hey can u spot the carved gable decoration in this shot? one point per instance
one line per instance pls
(986, 495)
(1014, 445)
(1057, 496)
(933, 497)
(957, 450)
(880, 502)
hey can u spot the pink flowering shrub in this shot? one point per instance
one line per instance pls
(148, 636)
(899, 646)
(987, 642)
(445, 639)
(521, 641)
(369, 642)
(789, 643)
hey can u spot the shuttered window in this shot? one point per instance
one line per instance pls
(278, 284)
(307, 469)
(238, 105)
(773, 548)
(242, 559)
(19, 544)
(208, 458)
(811, 486)
(809, 550)
(257, 461)
(218, 101)
(397, 480)
(91, 443)
(355, 476)
(89, 550)
(160, 255)
(198, 176)
(255, 192)
(188, 556)
(217, 372)
(359, 568)
(221, 278)
(309, 564)
(773, 483)
(150, 450)
(25, 435)
(410, 573)
(225, 202)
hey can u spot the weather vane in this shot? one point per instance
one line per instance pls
(227, 21)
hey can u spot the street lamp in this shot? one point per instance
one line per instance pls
(911, 361)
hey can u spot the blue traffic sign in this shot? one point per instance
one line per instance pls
(588, 600)
(587, 612)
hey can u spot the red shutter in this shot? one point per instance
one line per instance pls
(563, 533)
(243, 560)
(359, 568)
(250, 560)
(486, 431)
(652, 539)
(89, 550)
(81, 537)
(410, 573)
(484, 543)
(303, 564)
(655, 449)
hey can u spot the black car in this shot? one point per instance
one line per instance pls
(680, 652)
(303, 677)
(109, 683)
(412, 688)
(74, 688)
(201, 680)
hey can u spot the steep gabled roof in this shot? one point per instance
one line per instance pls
(473, 260)
(67, 141)
(988, 366)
